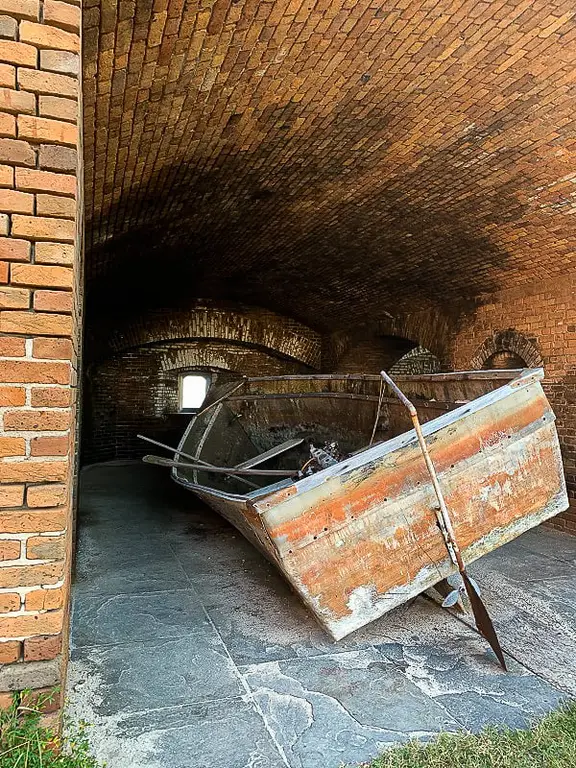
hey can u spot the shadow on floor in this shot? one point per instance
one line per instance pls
(190, 651)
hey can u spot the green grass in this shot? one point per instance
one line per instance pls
(550, 743)
(25, 743)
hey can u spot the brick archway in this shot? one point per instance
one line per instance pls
(429, 328)
(509, 340)
(418, 360)
(136, 390)
(249, 326)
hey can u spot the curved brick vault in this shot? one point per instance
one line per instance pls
(235, 325)
(327, 159)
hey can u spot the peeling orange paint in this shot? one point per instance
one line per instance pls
(375, 528)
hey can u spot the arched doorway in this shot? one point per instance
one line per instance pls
(417, 360)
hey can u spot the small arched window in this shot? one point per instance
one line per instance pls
(193, 389)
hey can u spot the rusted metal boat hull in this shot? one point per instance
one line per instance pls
(360, 538)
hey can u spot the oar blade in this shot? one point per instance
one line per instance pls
(483, 620)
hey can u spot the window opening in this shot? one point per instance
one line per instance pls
(193, 389)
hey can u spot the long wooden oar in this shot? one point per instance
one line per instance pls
(161, 461)
(483, 620)
(220, 399)
(192, 458)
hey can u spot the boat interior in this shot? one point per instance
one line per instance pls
(271, 423)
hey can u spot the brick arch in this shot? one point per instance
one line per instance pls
(247, 326)
(418, 360)
(509, 340)
(136, 391)
(220, 360)
(428, 328)
(216, 356)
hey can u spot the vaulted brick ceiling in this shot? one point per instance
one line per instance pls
(327, 159)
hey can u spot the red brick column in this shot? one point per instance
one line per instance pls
(39, 321)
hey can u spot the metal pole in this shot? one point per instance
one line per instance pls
(481, 616)
(189, 456)
(161, 461)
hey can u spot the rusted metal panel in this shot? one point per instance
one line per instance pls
(364, 538)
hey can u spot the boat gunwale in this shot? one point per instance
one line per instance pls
(496, 373)
(526, 377)
(445, 404)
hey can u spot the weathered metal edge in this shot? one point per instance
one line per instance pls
(463, 466)
(497, 373)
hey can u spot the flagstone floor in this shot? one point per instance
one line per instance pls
(190, 651)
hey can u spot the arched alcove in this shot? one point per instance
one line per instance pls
(504, 359)
(133, 383)
(417, 360)
(507, 349)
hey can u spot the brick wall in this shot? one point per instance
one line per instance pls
(40, 301)
(137, 391)
(537, 323)
(132, 378)
(418, 360)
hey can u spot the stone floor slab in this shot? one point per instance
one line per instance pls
(471, 685)
(96, 545)
(346, 707)
(229, 733)
(103, 620)
(535, 613)
(553, 544)
(135, 677)
(160, 573)
(272, 624)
